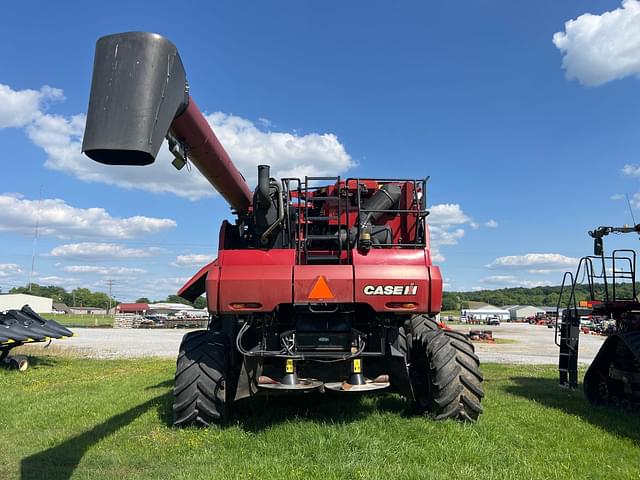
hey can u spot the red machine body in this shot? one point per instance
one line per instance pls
(394, 279)
(259, 281)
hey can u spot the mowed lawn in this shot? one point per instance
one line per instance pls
(77, 320)
(89, 419)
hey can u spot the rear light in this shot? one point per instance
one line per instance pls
(402, 305)
(245, 306)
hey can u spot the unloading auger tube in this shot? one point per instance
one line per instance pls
(320, 284)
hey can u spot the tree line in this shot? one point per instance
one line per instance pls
(537, 296)
(83, 297)
(78, 297)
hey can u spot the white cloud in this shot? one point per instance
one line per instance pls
(444, 225)
(512, 281)
(192, 260)
(534, 262)
(9, 270)
(601, 48)
(94, 269)
(95, 250)
(65, 282)
(491, 224)
(58, 219)
(20, 108)
(631, 170)
(617, 196)
(61, 139)
(289, 154)
(158, 288)
(447, 214)
(635, 200)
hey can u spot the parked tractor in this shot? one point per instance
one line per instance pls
(321, 284)
(614, 375)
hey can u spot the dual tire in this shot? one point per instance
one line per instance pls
(444, 372)
(200, 391)
(443, 369)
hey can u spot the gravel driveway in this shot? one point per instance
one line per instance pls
(533, 344)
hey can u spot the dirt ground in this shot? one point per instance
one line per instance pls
(531, 344)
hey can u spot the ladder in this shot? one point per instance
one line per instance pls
(605, 297)
(567, 335)
(320, 248)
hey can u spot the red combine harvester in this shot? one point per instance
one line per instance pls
(316, 287)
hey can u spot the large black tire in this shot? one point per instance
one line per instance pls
(200, 388)
(444, 371)
(596, 387)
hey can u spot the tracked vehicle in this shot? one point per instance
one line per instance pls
(614, 375)
(321, 284)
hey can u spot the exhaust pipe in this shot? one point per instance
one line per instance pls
(263, 190)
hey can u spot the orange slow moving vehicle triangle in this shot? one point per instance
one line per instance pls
(321, 290)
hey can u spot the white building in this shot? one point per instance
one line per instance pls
(166, 308)
(15, 301)
(520, 312)
(484, 311)
(88, 310)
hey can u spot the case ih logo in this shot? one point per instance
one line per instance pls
(390, 289)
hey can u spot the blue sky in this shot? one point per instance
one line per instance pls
(526, 140)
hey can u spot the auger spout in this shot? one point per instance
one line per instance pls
(139, 97)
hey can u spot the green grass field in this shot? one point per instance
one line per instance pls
(74, 320)
(89, 419)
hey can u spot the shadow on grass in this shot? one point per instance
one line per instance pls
(546, 391)
(61, 461)
(255, 415)
(34, 361)
(259, 413)
(38, 362)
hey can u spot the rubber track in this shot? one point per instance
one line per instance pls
(199, 391)
(632, 339)
(453, 371)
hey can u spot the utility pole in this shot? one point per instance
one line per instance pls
(35, 240)
(110, 285)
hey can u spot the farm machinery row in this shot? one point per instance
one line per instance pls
(320, 283)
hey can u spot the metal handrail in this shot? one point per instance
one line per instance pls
(631, 272)
(419, 211)
(564, 278)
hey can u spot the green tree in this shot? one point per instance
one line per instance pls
(177, 299)
(143, 300)
(201, 302)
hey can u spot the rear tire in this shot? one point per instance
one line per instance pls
(596, 387)
(444, 371)
(200, 394)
